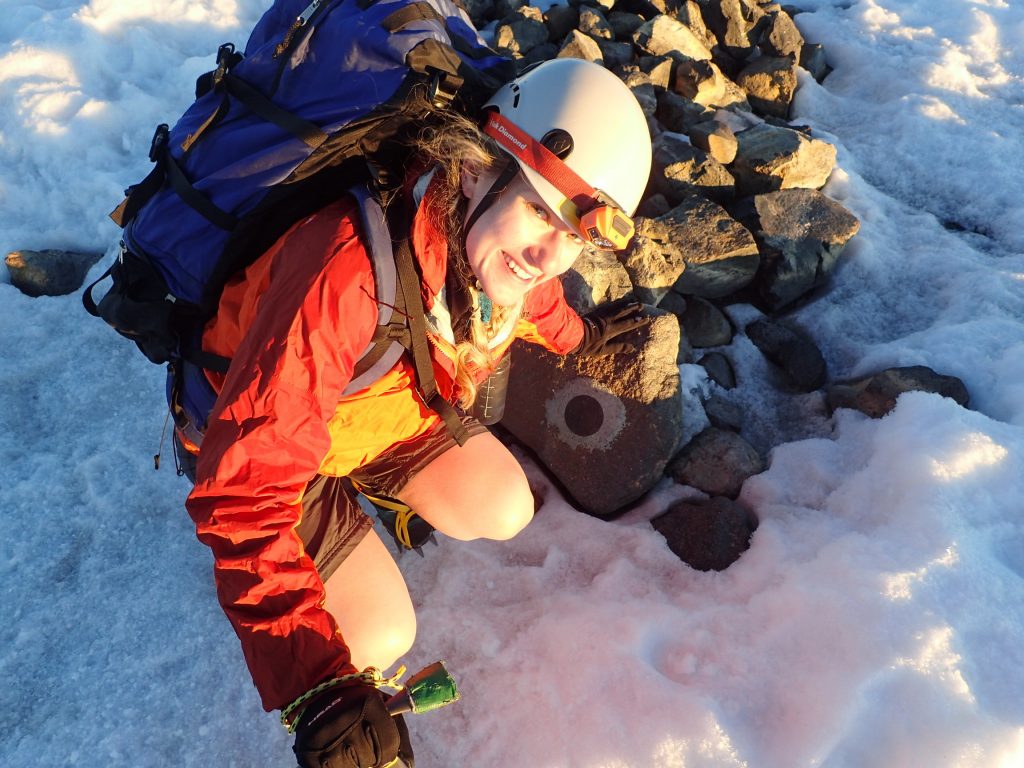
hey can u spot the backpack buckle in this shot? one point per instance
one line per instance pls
(226, 59)
(441, 92)
(158, 146)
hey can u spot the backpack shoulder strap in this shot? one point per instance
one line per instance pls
(398, 293)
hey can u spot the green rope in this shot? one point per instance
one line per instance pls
(370, 676)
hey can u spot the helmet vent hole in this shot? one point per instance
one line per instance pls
(559, 142)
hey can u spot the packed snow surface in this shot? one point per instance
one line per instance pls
(876, 619)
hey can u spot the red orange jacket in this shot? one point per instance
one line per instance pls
(295, 323)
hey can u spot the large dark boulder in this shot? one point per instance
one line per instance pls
(605, 427)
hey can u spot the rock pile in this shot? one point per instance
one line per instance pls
(733, 213)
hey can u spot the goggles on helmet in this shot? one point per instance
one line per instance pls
(599, 220)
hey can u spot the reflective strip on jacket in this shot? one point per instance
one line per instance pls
(295, 324)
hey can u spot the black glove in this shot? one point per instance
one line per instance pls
(349, 727)
(604, 326)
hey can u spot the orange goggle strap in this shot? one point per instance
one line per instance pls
(524, 147)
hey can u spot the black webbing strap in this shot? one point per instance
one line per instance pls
(195, 199)
(409, 286)
(137, 196)
(307, 132)
(207, 360)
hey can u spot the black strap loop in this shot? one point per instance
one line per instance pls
(307, 132)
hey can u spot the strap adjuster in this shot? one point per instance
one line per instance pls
(226, 59)
(158, 146)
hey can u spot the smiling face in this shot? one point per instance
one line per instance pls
(518, 242)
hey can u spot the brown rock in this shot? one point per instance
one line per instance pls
(769, 158)
(770, 83)
(876, 395)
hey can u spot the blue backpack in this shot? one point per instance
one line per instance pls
(321, 100)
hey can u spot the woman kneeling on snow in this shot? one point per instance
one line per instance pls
(311, 590)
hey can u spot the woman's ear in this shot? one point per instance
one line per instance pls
(469, 178)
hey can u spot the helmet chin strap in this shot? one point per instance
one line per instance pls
(500, 184)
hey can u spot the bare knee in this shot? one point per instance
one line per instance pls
(477, 491)
(504, 514)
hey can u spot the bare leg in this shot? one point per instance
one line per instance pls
(368, 598)
(473, 491)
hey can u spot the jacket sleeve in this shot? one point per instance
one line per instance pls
(549, 321)
(265, 440)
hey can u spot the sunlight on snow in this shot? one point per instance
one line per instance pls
(898, 586)
(109, 15)
(879, 19)
(977, 450)
(937, 659)
(47, 90)
(939, 110)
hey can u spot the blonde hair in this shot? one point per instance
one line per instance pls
(448, 143)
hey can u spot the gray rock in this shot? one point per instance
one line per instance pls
(812, 58)
(679, 114)
(717, 462)
(770, 158)
(604, 5)
(715, 138)
(719, 254)
(680, 169)
(792, 350)
(875, 395)
(704, 324)
(780, 37)
(580, 46)
(723, 414)
(505, 8)
(659, 69)
(594, 24)
(676, 304)
(802, 233)
(719, 369)
(480, 11)
(639, 83)
(707, 535)
(625, 24)
(652, 261)
(561, 20)
(595, 278)
(770, 84)
(606, 427)
(616, 54)
(689, 14)
(731, 22)
(663, 34)
(521, 35)
(700, 80)
(542, 52)
(49, 272)
(653, 206)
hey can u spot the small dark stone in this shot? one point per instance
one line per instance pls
(50, 272)
(716, 461)
(723, 414)
(561, 20)
(792, 350)
(719, 369)
(704, 324)
(707, 535)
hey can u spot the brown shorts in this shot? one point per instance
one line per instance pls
(333, 522)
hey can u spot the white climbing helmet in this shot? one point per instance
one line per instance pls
(583, 114)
